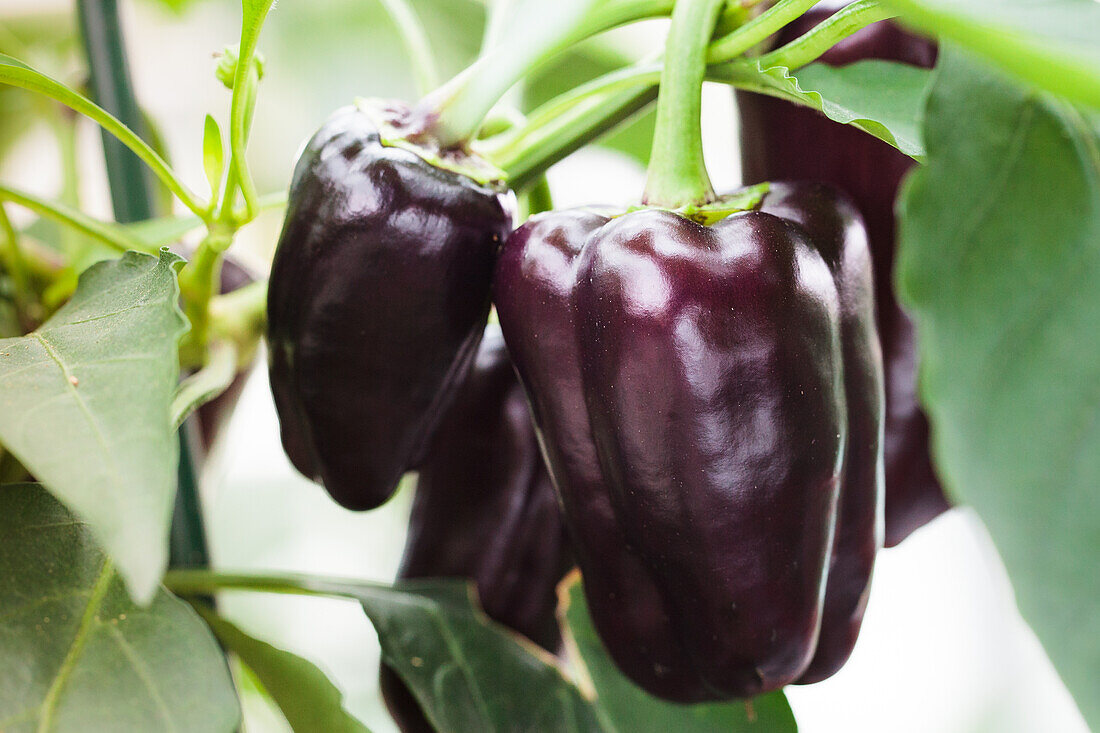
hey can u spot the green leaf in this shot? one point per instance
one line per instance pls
(1000, 264)
(307, 698)
(1053, 44)
(627, 708)
(882, 98)
(581, 64)
(467, 672)
(213, 155)
(84, 405)
(77, 654)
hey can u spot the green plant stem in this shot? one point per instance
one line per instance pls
(586, 111)
(246, 79)
(417, 45)
(206, 582)
(109, 71)
(112, 235)
(459, 106)
(31, 80)
(198, 284)
(503, 154)
(815, 42)
(100, 21)
(239, 178)
(677, 174)
(187, 534)
(536, 199)
(571, 131)
(757, 30)
(199, 277)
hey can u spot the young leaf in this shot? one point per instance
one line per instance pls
(626, 708)
(84, 405)
(77, 654)
(1000, 264)
(307, 698)
(1054, 44)
(882, 98)
(213, 155)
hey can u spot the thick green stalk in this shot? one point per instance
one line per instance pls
(677, 173)
(132, 199)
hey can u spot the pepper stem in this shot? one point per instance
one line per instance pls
(677, 173)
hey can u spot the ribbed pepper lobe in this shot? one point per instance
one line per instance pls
(782, 141)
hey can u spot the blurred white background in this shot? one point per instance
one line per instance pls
(942, 648)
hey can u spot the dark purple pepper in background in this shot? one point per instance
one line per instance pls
(377, 300)
(782, 141)
(688, 383)
(485, 509)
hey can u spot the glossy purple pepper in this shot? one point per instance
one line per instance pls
(688, 384)
(782, 141)
(377, 300)
(485, 509)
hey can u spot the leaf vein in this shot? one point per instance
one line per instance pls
(79, 399)
(99, 590)
(142, 672)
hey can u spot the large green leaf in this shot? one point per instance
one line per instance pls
(1000, 263)
(626, 708)
(880, 97)
(307, 698)
(467, 672)
(1054, 44)
(77, 654)
(84, 405)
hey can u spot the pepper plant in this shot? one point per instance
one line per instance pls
(691, 399)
